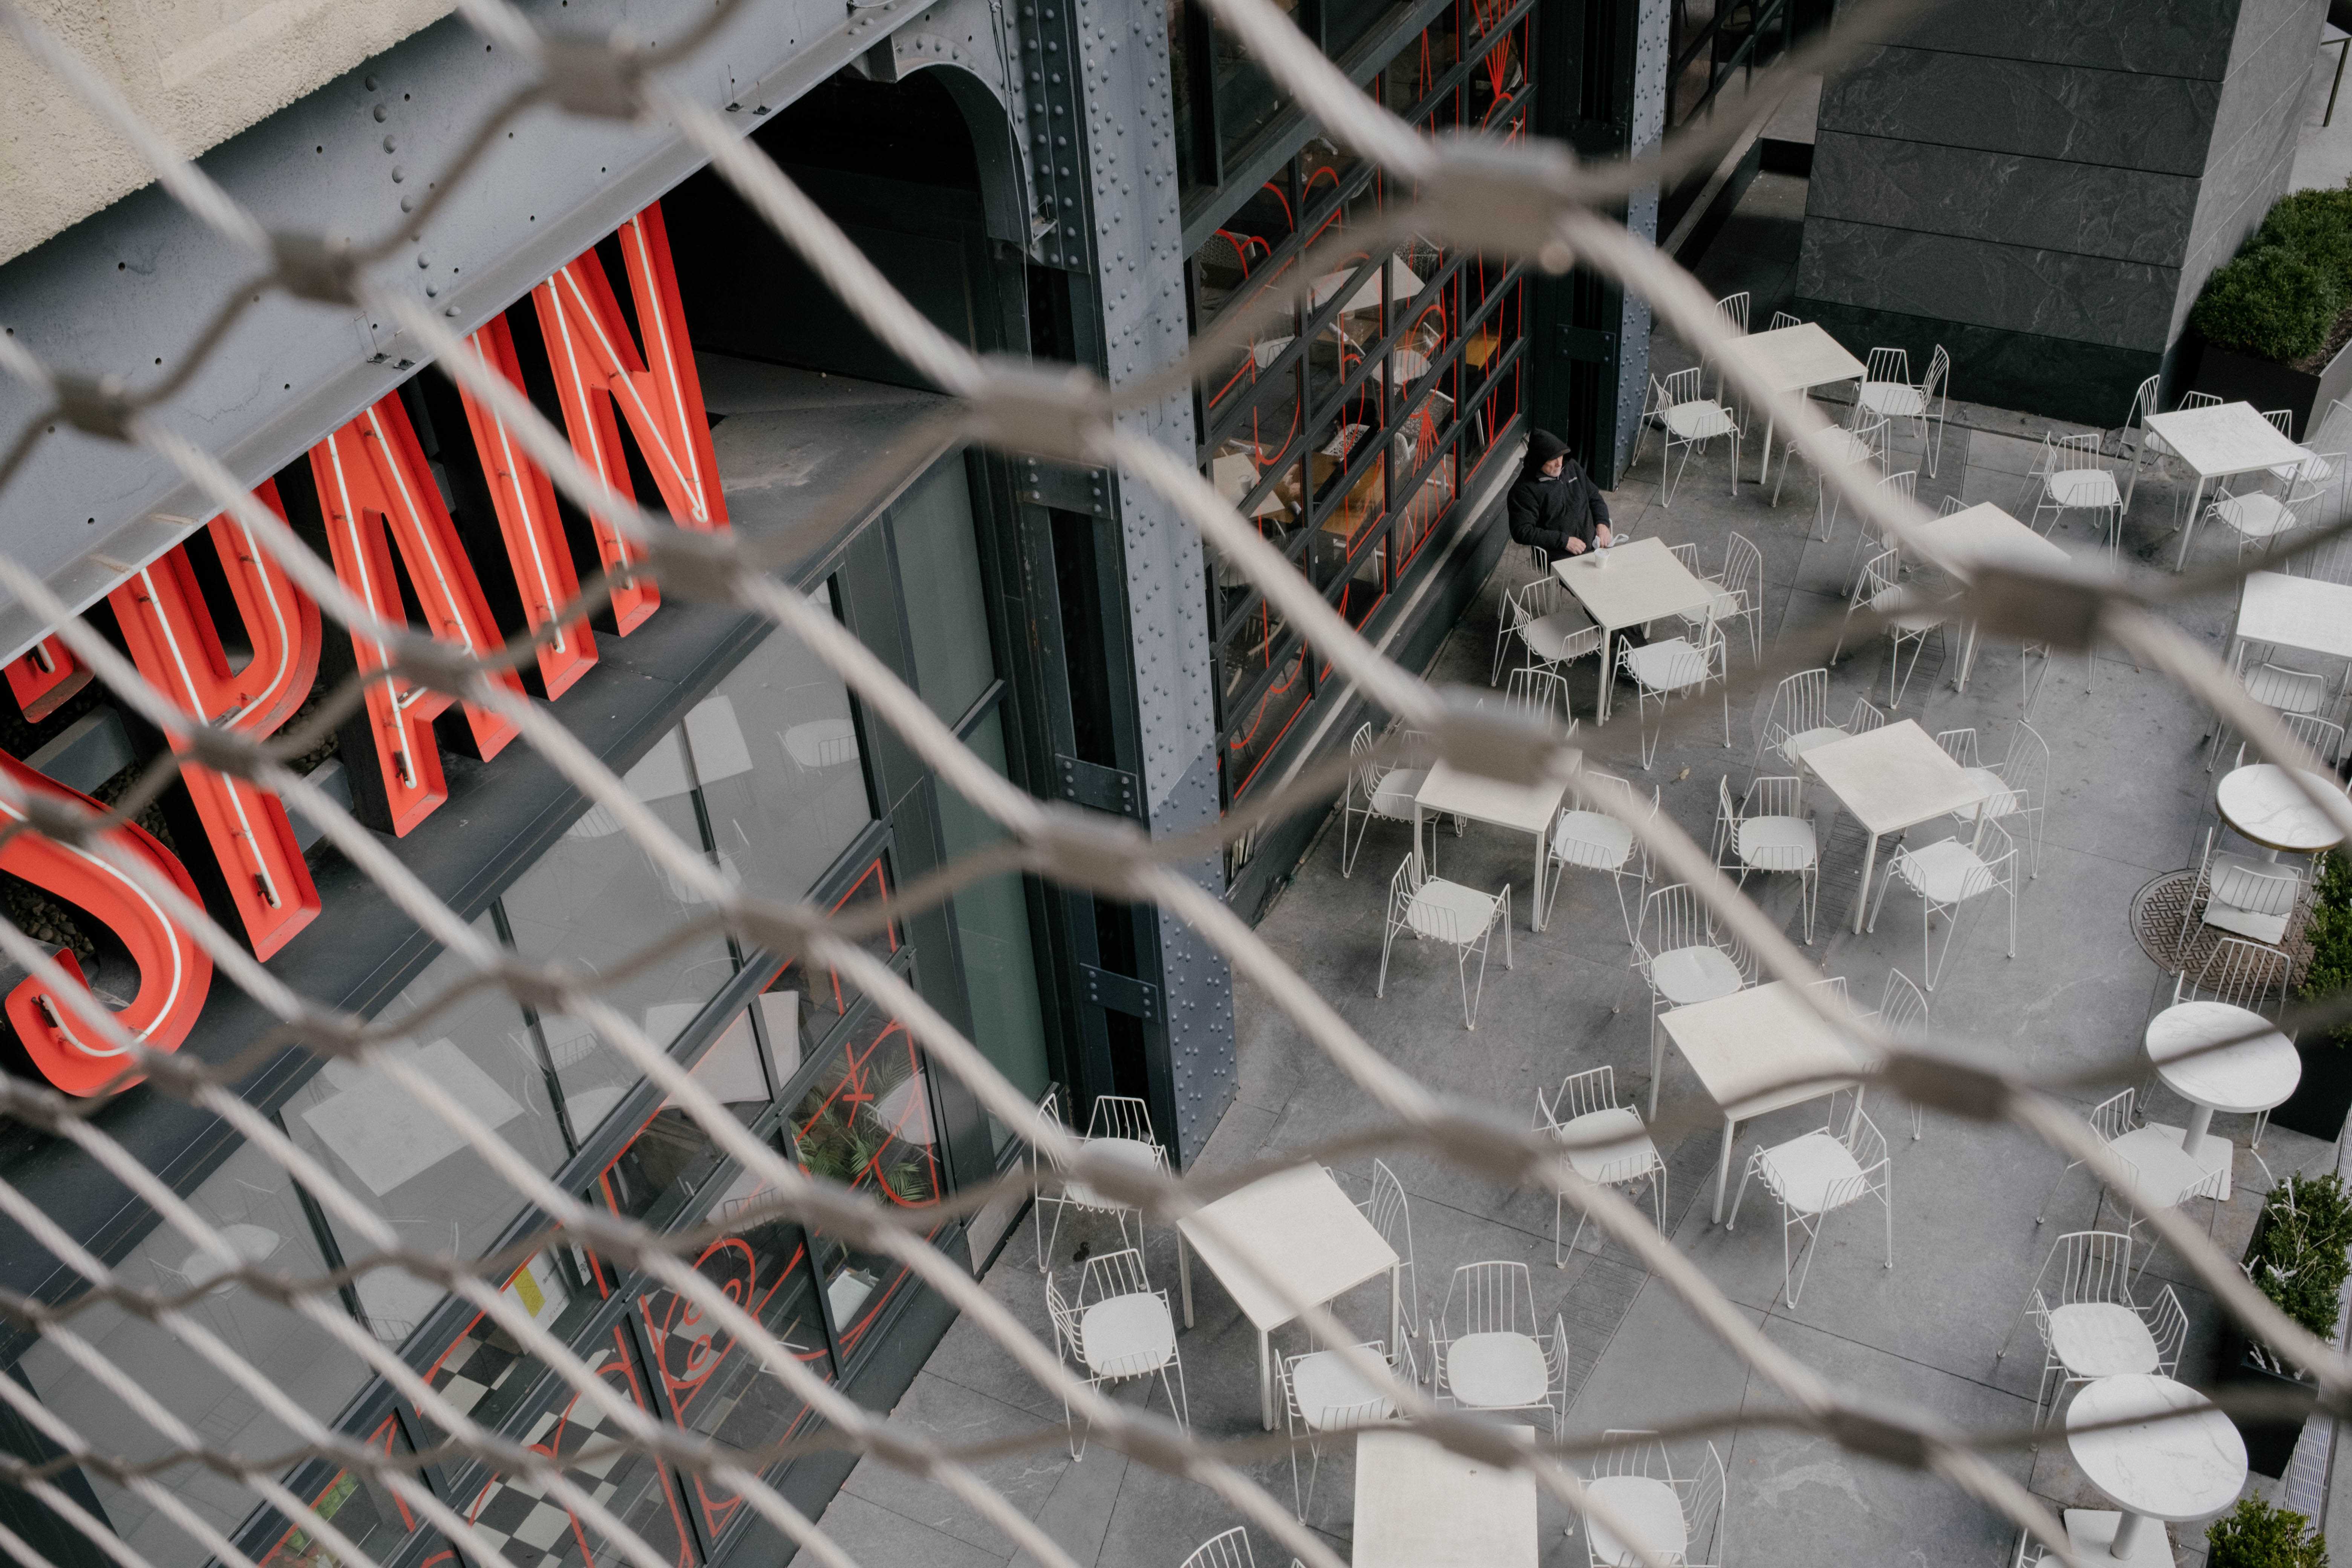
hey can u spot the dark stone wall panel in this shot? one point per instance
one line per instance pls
(2124, 215)
(2090, 300)
(2160, 37)
(2133, 121)
(2055, 377)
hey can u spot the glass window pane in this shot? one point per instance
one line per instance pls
(939, 572)
(672, 1158)
(1251, 735)
(775, 753)
(714, 1386)
(1347, 23)
(393, 1153)
(595, 902)
(360, 1506)
(251, 1202)
(1000, 964)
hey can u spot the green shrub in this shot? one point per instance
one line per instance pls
(2272, 302)
(2298, 1258)
(2318, 224)
(2329, 930)
(2256, 1535)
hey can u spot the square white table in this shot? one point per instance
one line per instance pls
(1421, 1505)
(1891, 778)
(2217, 441)
(1743, 1046)
(1985, 533)
(1626, 585)
(2300, 612)
(1522, 808)
(1296, 1227)
(1795, 359)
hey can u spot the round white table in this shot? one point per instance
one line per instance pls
(2262, 803)
(2252, 1076)
(2157, 1466)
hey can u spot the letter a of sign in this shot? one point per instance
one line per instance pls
(657, 391)
(372, 475)
(528, 520)
(45, 676)
(174, 973)
(171, 636)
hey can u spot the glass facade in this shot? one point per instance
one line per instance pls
(1348, 428)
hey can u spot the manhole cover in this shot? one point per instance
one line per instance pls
(2168, 932)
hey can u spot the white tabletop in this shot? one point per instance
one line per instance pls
(2262, 803)
(2252, 1075)
(2184, 1467)
(1629, 583)
(1893, 777)
(1743, 1047)
(2225, 439)
(1795, 358)
(2296, 612)
(1419, 1505)
(1297, 1226)
(1530, 808)
(1984, 533)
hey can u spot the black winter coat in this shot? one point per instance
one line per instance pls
(1550, 512)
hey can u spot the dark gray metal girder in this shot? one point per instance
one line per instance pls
(126, 290)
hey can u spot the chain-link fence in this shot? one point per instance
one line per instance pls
(1527, 199)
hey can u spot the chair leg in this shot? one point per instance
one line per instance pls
(1741, 1197)
(1387, 940)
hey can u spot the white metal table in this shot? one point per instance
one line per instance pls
(2300, 612)
(1296, 1227)
(1449, 791)
(1744, 1047)
(2217, 441)
(1626, 585)
(2174, 1457)
(1421, 1505)
(2252, 1075)
(1984, 534)
(1795, 359)
(1891, 778)
(2262, 802)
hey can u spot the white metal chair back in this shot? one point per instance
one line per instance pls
(1387, 1212)
(1496, 1297)
(1632, 1451)
(1903, 1016)
(1462, 917)
(1581, 1094)
(2282, 420)
(2238, 973)
(1690, 420)
(1107, 1275)
(1774, 796)
(1960, 745)
(1538, 694)
(1632, 1157)
(1674, 917)
(1783, 318)
(1866, 1143)
(1677, 666)
(1733, 309)
(1580, 840)
(1512, 617)
(1864, 716)
(1740, 591)
(1887, 367)
(1877, 589)
(1935, 403)
(2324, 737)
(1681, 386)
(1947, 876)
(2198, 400)
(1229, 1550)
(1799, 705)
(1121, 1116)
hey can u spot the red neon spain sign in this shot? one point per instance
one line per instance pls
(171, 639)
(528, 522)
(45, 676)
(373, 478)
(174, 973)
(599, 366)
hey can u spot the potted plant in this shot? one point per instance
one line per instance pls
(2256, 1535)
(2275, 322)
(2321, 1100)
(2298, 1259)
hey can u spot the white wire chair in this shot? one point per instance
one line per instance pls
(1796, 720)
(1462, 918)
(1119, 1127)
(1679, 1519)
(2260, 517)
(2018, 788)
(1682, 957)
(2245, 896)
(1323, 1395)
(1598, 836)
(1376, 789)
(2135, 444)
(2072, 475)
(1861, 444)
(1386, 1209)
(1887, 388)
(1537, 694)
(1552, 629)
(1946, 875)
(1690, 419)
(1903, 1016)
(2281, 688)
(1228, 1550)
(1813, 1176)
(2090, 1325)
(1867, 545)
(1739, 593)
(1769, 831)
(1783, 318)
(2237, 973)
(1120, 1330)
(1670, 668)
(1488, 1353)
(1608, 1145)
(2159, 1173)
(1733, 309)
(1879, 591)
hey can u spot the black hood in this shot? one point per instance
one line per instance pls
(1542, 447)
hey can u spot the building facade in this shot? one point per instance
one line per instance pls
(1064, 179)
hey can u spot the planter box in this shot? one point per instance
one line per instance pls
(2320, 1102)
(2270, 1441)
(2235, 377)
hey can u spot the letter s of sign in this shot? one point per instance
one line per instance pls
(174, 973)
(171, 639)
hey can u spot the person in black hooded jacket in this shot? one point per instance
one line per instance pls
(1553, 504)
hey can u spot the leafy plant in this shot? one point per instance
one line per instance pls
(2256, 1535)
(2280, 297)
(2329, 931)
(2298, 1256)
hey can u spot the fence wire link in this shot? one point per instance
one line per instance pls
(1527, 199)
